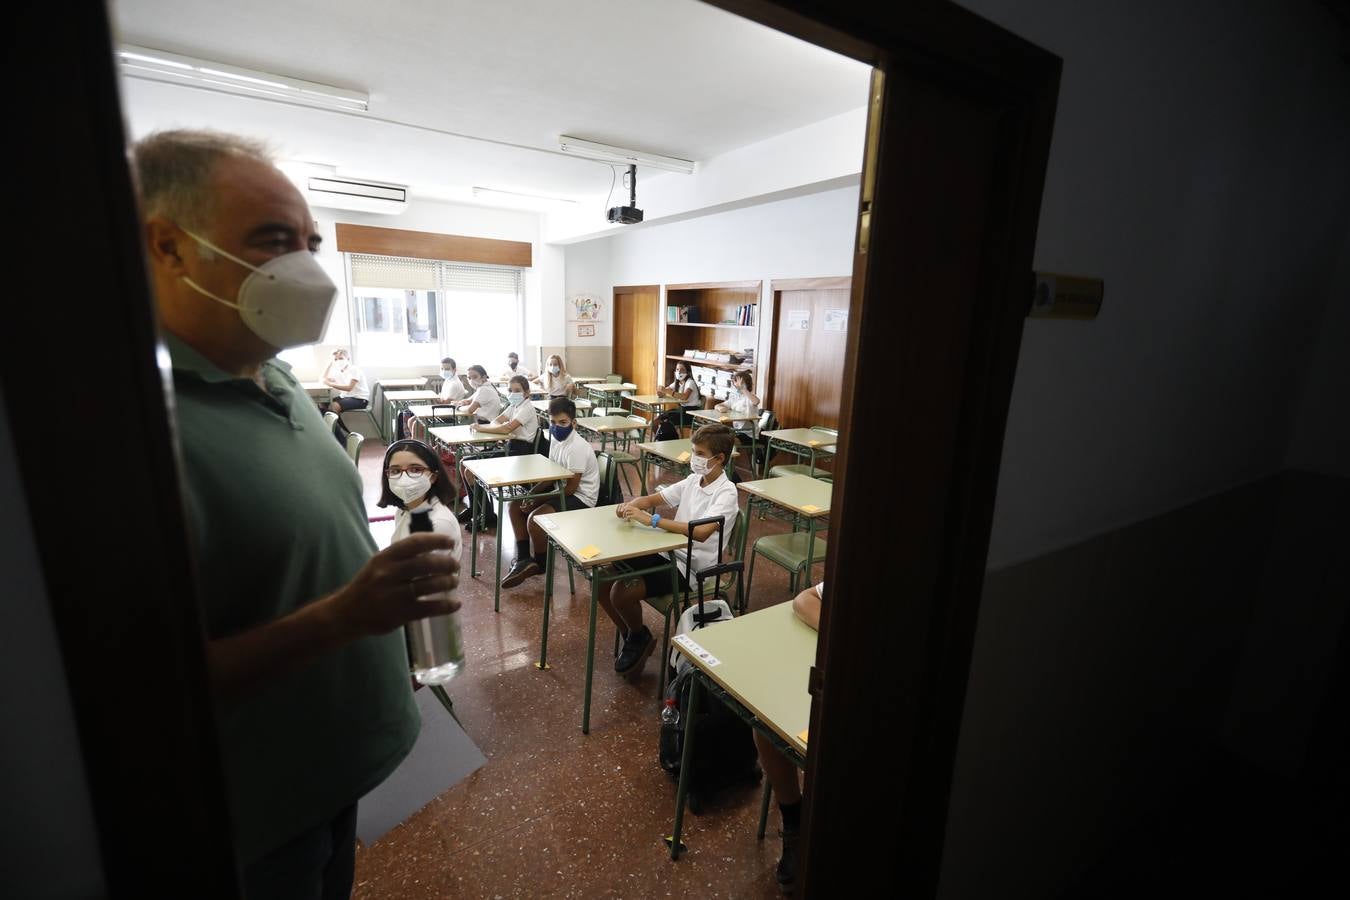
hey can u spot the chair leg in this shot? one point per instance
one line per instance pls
(750, 576)
(665, 656)
(571, 582)
(764, 807)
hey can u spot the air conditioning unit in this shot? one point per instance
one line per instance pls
(362, 196)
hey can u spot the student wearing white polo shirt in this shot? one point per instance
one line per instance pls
(706, 493)
(685, 389)
(452, 389)
(519, 419)
(485, 402)
(572, 451)
(350, 390)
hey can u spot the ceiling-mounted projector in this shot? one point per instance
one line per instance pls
(630, 214)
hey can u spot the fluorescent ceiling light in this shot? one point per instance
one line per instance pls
(606, 153)
(519, 196)
(160, 65)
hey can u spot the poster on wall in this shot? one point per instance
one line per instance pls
(836, 320)
(584, 308)
(798, 319)
(585, 331)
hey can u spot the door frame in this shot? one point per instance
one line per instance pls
(150, 747)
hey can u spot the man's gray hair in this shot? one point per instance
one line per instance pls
(174, 169)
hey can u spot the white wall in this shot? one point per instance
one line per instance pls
(442, 218)
(794, 238)
(1321, 440)
(1199, 167)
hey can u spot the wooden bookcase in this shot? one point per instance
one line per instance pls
(713, 307)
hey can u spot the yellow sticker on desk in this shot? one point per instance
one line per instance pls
(725, 420)
(810, 507)
(813, 443)
(589, 552)
(683, 457)
(802, 737)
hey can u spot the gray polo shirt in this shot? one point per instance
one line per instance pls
(277, 521)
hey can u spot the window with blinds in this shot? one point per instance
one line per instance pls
(415, 311)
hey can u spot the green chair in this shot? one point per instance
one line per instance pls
(804, 469)
(369, 413)
(354, 441)
(624, 452)
(611, 378)
(330, 420)
(787, 551)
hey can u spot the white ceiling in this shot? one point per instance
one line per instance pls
(674, 77)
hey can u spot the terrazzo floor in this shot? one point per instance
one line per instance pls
(555, 813)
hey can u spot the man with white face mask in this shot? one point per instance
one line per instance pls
(303, 618)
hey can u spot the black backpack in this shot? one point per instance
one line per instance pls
(724, 749)
(666, 428)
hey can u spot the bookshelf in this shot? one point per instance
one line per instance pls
(720, 316)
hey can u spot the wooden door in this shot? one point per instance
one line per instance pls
(804, 363)
(636, 320)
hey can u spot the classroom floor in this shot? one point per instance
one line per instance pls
(556, 813)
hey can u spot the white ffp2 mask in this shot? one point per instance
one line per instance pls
(408, 487)
(286, 301)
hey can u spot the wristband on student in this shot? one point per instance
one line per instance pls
(656, 519)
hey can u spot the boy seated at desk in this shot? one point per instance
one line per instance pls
(781, 771)
(705, 493)
(569, 449)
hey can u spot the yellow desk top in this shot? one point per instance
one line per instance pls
(804, 437)
(586, 379)
(601, 528)
(603, 386)
(447, 411)
(798, 493)
(506, 471)
(410, 395)
(655, 400)
(464, 434)
(611, 423)
(401, 382)
(718, 418)
(764, 660)
(673, 450)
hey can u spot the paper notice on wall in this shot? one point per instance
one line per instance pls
(836, 320)
(798, 319)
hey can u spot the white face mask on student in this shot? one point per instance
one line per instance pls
(515, 398)
(409, 487)
(285, 301)
(554, 370)
(699, 465)
(447, 373)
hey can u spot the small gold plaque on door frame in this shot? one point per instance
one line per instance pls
(1066, 297)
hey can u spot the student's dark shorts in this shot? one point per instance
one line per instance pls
(657, 583)
(348, 403)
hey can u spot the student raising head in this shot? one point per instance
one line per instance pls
(484, 402)
(414, 481)
(741, 399)
(705, 493)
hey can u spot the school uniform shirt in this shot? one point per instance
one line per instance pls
(576, 454)
(528, 418)
(360, 390)
(556, 386)
(442, 522)
(695, 501)
(694, 401)
(508, 373)
(276, 521)
(740, 404)
(489, 402)
(453, 389)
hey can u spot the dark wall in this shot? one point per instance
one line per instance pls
(1157, 705)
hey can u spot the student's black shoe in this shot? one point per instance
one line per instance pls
(464, 515)
(520, 570)
(636, 649)
(488, 522)
(786, 872)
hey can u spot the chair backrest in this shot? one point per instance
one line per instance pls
(637, 433)
(354, 442)
(609, 478)
(435, 383)
(739, 531)
(611, 378)
(539, 437)
(330, 420)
